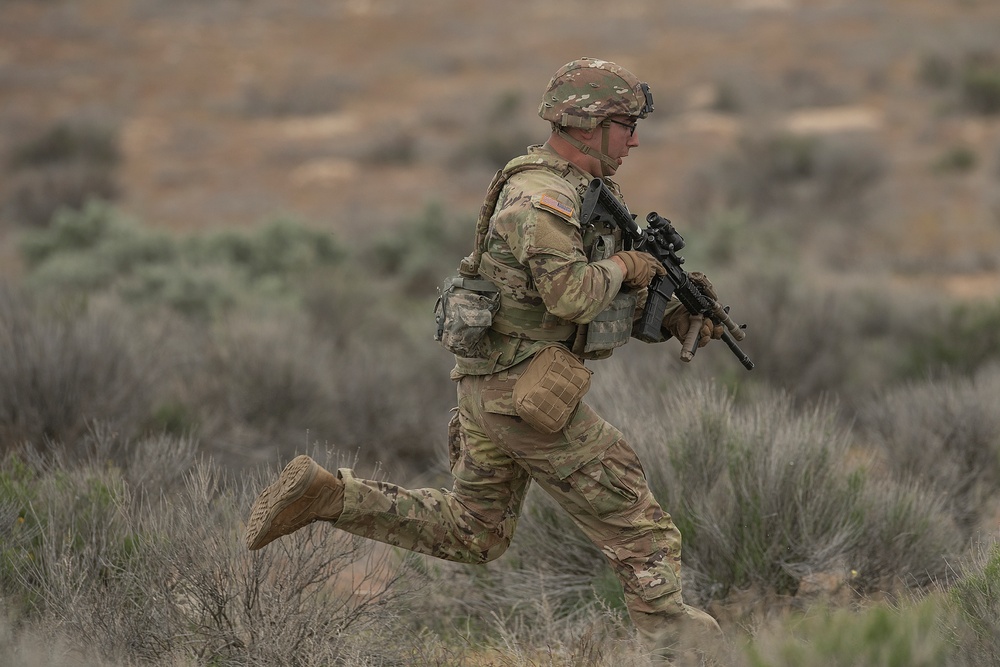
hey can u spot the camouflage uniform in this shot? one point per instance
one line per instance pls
(536, 242)
(557, 287)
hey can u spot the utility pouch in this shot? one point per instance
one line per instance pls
(463, 313)
(613, 326)
(550, 389)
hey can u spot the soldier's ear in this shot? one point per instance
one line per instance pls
(580, 133)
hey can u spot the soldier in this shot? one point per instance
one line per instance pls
(567, 293)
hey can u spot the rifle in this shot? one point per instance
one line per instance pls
(662, 241)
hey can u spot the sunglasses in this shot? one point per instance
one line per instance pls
(631, 126)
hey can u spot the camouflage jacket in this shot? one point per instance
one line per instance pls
(554, 276)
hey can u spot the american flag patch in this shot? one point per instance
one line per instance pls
(555, 205)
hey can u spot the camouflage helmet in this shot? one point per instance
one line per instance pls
(585, 91)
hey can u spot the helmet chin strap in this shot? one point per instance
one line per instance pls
(608, 165)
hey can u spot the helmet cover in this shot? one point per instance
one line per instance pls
(587, 90)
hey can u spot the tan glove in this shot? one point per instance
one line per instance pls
(677, 320)
(704, 284)
(640, 267)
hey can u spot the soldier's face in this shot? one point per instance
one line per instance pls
(623, 136)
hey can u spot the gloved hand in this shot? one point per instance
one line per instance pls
(677, 320)
(704, 284)
(640, 267)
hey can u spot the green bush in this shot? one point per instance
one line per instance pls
(976, 597)
(912, 636)
(97, 250)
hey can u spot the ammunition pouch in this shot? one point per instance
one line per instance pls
(463, 313)
(613, 326)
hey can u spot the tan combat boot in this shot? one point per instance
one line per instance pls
(686, 639)
(303, 493)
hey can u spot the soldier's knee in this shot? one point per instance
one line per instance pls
(494, 547)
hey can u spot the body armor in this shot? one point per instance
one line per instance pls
(523, 324)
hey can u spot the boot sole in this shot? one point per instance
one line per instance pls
(289, 487)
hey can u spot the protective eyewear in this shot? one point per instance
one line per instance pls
(631, 126)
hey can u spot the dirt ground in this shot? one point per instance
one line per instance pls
(355, 114)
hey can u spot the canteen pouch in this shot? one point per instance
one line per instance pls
(463, 313)
(550, 388)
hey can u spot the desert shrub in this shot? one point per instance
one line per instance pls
(274, 250)
(393, 147)
(976, 598)
(936, 71)
(958, 337)
(68, 141)
(814, 341)
(947, 433)
(980, 84)
(765, 493)
(957, 159)
(727, 98)
(89, 250)
(265, 387)
(98, 250)
(120, 571)
(787, 174)
(736, 490)
(875, 637)
(297, 94)
(63, 368)
(261, 378)
(908, 538)
(809, 334)
(36, 195)
(811, 341)
(422, 252)
(499, 136)
(67, 165)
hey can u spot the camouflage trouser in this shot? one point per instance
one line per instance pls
(588, 468)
